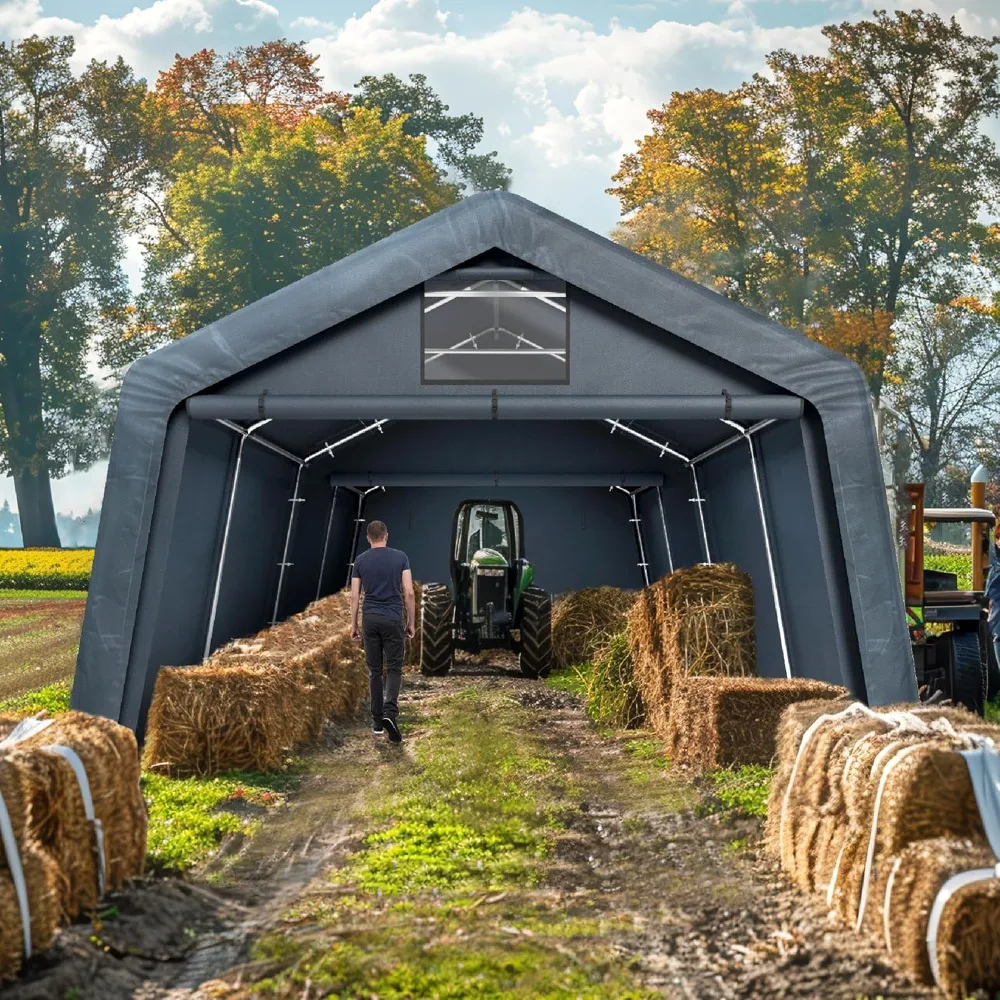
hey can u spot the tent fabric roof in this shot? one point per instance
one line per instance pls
(158, 383)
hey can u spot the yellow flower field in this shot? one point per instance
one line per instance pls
(45, 569)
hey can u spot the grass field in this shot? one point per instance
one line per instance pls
(39, 638)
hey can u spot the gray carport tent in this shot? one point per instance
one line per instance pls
(247, 456)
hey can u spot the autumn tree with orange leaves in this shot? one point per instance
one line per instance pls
(829, 194)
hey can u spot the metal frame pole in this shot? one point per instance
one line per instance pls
(326, 542)
(245, 434)
(700, 501)
(636, 521)
(767, 545)
(284, 564)
(358, 521)
(663, 521)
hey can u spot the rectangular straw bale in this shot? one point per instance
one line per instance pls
(706, 615)
(583, 620)
(41, 876)
(645, 638)
(725, 721)
(208, 719)
(968, 946)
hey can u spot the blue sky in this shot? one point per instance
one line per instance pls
(563, 85)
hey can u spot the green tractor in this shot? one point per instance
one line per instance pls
(490, 596)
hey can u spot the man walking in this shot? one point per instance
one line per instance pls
(385, 575)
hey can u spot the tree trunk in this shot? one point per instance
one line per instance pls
(36, 510)
(21, 399)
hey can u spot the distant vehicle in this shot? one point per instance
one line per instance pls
(960, 662)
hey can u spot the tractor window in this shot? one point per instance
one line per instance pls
(487, 528)
(495, 331)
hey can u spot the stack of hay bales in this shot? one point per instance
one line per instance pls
(256, 699)
(693, 647)
(66, 860)
(877, 811)
(583, 621)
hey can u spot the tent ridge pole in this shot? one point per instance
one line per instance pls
(245, 434)
(767, 545)
(326, 542)
(295, 499)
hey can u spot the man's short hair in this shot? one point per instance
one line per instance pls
(377, 531)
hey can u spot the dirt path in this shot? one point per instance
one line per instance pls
(526, 856)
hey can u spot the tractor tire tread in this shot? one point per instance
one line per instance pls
(535, 659)
(436, 644)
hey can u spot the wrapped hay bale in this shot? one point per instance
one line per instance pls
(707, 618)
(41, 878)
(967, 949)
(645, 637)
(110, 758)
(583, 620)
(208, 719)
(724, 721)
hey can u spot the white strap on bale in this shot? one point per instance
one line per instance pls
(886, 924)
(80, 771)
(24, 729)
(13, 853)
(857, 708)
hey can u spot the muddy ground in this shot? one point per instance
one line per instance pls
(669, 901)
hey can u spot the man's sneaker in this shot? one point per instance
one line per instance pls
(377, 729)
(393, 730)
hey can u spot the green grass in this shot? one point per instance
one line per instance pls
(188, 817)
(745, 789)
(572, 680)
(437, 903)
(52, 699)
(42, 595)
(961, 565)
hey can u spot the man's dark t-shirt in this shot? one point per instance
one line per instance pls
(380, 571)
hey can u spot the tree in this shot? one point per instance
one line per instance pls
(72, 157)
(949, 386)
(832, 190)
(294, 200)
(456, 136)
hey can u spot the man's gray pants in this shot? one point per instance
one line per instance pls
(384, 637)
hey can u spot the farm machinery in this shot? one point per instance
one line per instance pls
(952, 647)
(490, 601)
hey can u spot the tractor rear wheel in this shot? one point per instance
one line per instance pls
(968, 671)
(436, 612)
(536, 633)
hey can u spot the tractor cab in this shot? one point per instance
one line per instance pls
(489, 602)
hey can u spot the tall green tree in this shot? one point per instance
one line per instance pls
(835, 187)
(72, 157)
(455, 136)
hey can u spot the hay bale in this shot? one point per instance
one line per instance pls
(968, 947)
(645, 637)
(584, 620)
(725, 721)
(707, 618)
(41, 876)
(110, 757)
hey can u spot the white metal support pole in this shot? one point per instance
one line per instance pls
(244, 436)
(767, 545)
(358, 521)
(663, 521)
(285, 564)
(326, 542)
(700, 501)
(636, 521)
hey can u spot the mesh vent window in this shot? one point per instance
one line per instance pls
(495, 331)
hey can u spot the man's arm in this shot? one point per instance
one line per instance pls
(411, 604)
(355, 602)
